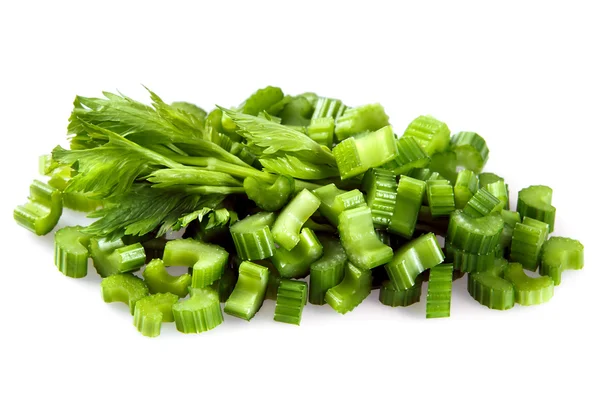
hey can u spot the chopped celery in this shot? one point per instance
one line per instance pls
(114, 257)
(357, 233)
(432, 135)
(291, 298)
(409, 198)
(297, 112)
(510, 219)
(125, 288)
(499, 190)
(465, 187)
(286, 230)
(70, 251)
(326, 107)
(469, 262)
(559, 254)
(440, 196)
(321, 131)
(295, 263)
(381, 187)
(328, 271)
(490, 289)
(200, 313)
(471, 150)
(226, 284)
(439, 291)
(370, 117)
(536, 202)
(527, 241)
(528, 291)
(445, 164)
(41, 214)
(151, 311)
(160, 281)
(269, 196)
(327, 195)
(474, 235)
(73, 200)
(262, 100)
(482, 204)
(206, 260)
(410, 156)
(351, 291)
(252, 236)
(249, 291)
(392, 297)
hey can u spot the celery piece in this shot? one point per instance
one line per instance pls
(41, 214)
(291, 298)
(200, 313)
(439, 291)
(60, 179)
(297, 112)
(536, 202)
(261, 100)
(510, 218)
(489, 289)
(249, 291)
(151, 311)
(160, 281)
(287, 226)
(355, 155)
(559, 254)
(358, 237)
(114, 257)
(370, 117)
(321, 131)
(410, 156)
(252, 236)
(413, 258)
(471, 150)
(433, 135)
(226, 284)
(70, 251)
(499, 190)
(125, 288)
(527, 241)
(327, 195)
(528, 291)
(482, 204)
(351, 291)
(381, 187)
(328, 271)
(295, 263)
(469, 262)
(206, 260)
(389, 296)
(326, 107)
(474, 235)
(465, 187)
(440, 196)
(269, 196)
(409, 198)
(445, 164)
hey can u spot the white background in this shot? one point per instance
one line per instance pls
(522, 74)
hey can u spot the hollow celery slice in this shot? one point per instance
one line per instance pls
(403, 298)
(59, 179)
(226, 284)
(536, 202)
(471, 150)
(321, 131)
(269, 196)
(327, 195)
(286, 230)
(351, 291)
(485, 178)
(410, 156)
(249, 291)
(483, 203)
(465, 187)
(413, 258)
(160, 281)
(488, 288)
(206, 260)
(360, 241)
(296, 263)
(114, 257)
(43, 210)
(327, 107)
(424, 174)
(381, 188)
(527, 241)
(70, 251)
(151, 311)
(273, 283)
(469, 262)
(355, 155)
(291, 298)
(328, 271)
(409, 198)
(559, 254)
(499, 189)
(433, 135)
(200, 313)
(370, 117)
(261, 100)
(252, 236)
(474, 235)
(510, 218)
(528, 291)
(439, 291)
(125, 288)
(445, 163)
(440, 196)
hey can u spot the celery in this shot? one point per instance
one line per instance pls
(125, 288)
(286, 229)
(41, 214)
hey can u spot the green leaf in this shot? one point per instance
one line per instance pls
(296, 168)
(164, 178)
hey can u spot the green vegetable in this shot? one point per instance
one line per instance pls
(70, 251)
(296, 263)
(361, 243)
(404, 298)
(206, 260)
(474, 235)
(440, 196)
(160, 281)
(200, 313)
(41, 214)
(528, 291)
(439, 291)
(262, 100)
(482, 203)
(286, 230)
(445, 164)
(510, 218)
(499, 190)
(490, 290)
(424, 174)
(151, 311)
(536, 202)
(366, 118)
(291, 298)
(125, 288)
(356, 154)
(469, 262)
(413, 258)
(328, 271)
(471, 150)
(410, 156)
(559, 254)
(326, 107)
(527, 241)
(321, 130)
(249, 291)
(351, 291)
(114, 257)
(409, 198)
(59, 179)
(226, 284)
(297, 112)
(433, 135)
(465, 187)
(381, 187)
(252, 236)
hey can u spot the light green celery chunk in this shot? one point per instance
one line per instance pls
(125, 288)
(409, 198)
(43, 210)
(510, 218)
(327, 107)
(471, 150)
(474, 235)
(206, 260)
(297, 112)
(70, 251)
(262, 100)
(410, 156)
(114, 257)
(328, 271)
(249, 291)
(286, 230)
(59, 179)
(465, 187)
(404, 298)
(528, 291)
(381, 188)
(413, 258)
(439, 291)
(559, 254)
(440, 196)
(291, 298)
(536, 202)
(370, 117)
(351, 291)
(489, 289)
(160, 281)
(200, 313)
(269, 196)
(321, 131)
(527, 241)
(445, 164)
(327, 195)
(469, 262)
(482, 204)
(360, 241)
(499, 189)
(432, 135)
(252, 236)
(151, 311)
(355, 155)
(296, 263)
